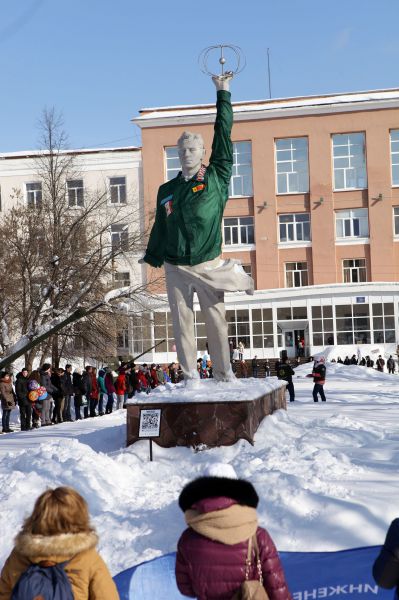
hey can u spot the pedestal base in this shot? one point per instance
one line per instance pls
(220, 422)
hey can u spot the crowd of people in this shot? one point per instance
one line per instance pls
(47, 396)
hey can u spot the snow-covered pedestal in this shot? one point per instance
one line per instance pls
(215, 414)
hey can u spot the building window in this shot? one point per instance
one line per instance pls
(290, 313)
(354, 270)
(173, 166)
(34, 194)
(262, 328)
(241, 179)
(119, 237)
(117, 189)
(238, 231)
(292, 165)
(323, 325)
(294, 228)
(141, 333)
(122, 279)
(349, 161)
(353, 324)
(352, 223)
(75, 192)
(296, 274)
(395, 156)
(383, 323)
(238, 326)
(123, 338)
(396, 220)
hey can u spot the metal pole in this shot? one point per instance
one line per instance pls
(150, 449)
(268, 72)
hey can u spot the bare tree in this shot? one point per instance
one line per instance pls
(62, 258)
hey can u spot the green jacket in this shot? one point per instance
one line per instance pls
(187, 227)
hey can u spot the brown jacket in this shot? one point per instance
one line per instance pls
(6, 393)
(87, 572)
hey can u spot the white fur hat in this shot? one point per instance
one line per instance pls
(220, 470)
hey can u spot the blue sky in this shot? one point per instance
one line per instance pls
(98, 62)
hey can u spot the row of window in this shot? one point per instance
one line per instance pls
(353, 271)
(339, 324)
(292, 164)
(75, 192)
(295, 227)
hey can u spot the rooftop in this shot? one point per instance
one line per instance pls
(272, 108)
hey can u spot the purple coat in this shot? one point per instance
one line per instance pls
(210, 570)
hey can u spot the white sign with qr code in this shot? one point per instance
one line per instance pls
(150, 422)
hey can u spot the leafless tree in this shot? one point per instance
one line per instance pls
(60, 259)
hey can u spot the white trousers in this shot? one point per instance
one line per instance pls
(210, 280)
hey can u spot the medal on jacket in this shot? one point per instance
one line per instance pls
(168, 204)
(198, 187)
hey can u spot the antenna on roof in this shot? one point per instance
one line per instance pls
(268, 72)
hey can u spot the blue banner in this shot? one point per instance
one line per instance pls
(310, 575)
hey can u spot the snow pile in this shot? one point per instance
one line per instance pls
(324, 472)
(210, 390)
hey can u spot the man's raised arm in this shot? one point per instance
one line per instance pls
(222, 147)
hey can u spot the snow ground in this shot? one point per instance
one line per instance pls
(326, 474)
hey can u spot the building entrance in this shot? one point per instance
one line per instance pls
(294, 342)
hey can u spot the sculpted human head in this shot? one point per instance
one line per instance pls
(190, 147)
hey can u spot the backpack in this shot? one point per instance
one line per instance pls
(40, 582)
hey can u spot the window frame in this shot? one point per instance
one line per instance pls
(118, 186)
(292, 161)
(294, 225)
(239, 227)
(348, 156)
(34, 204)
(351, 219)
(396, 153)
(75, 189)
(236, 167)
(296, 271)
(122, 242)
(354, 268)
(174, 170)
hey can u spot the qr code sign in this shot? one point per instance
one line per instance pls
(150, 420)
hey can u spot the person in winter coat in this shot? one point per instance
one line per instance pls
(68, 391)
(110, 387)
(340, 361)
(102, 391)
(25, 405)
(255, 366)
(143, 381)
(347, 360)
(78, 390)
(174, 378)
(95, 392)
(391, 365)
(285, 373)
(36, 406)
(7, 397)
(153, 375)
(58, 530)
(386, 565)
(58, 396)
(241, 349)
(267, 368)
(220, 511)
(120, 389)
(160, 375)
(380, 364)
(319, 379)
(45, 381)
(354, 360)
(86, 382)
(244, 369)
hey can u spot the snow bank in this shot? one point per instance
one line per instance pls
(325, 473)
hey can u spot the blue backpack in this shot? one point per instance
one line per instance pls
(43, 583)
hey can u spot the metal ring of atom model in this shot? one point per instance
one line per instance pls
(204, 58)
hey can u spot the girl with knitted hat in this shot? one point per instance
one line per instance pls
(220, 511)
